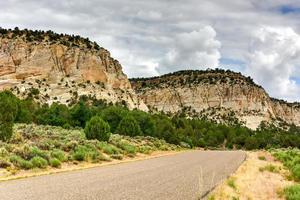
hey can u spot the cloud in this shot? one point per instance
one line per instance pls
(198, 49)
(273, 58)
(158, 36)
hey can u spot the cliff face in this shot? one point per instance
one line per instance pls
(61, 67)
(218, 95)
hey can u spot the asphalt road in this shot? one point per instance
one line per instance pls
(183, 176)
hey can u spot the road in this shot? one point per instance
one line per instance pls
(183, 176)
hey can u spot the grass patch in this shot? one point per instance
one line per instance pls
(292, 192)
(269, 168)
(261, 157)
(231, 183)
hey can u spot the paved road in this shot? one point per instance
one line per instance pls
(182, 176)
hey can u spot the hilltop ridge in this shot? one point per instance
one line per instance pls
(219, 95)
(60, 68)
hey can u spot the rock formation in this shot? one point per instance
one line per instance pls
(214, 94)
(61, 67)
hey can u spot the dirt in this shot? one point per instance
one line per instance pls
(252, 183)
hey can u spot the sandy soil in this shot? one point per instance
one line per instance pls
(251, 183)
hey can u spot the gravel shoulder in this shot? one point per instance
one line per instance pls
(187, 175)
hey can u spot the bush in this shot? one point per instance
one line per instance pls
(296, 172)
(98, 129)
(292, 192)
(129, 126)
(86, 153)
(39, 162)
(110, 149)
(58, 154)
(79, 154)
(20, 162)
(54, 162)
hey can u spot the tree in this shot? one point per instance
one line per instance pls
(8, 113)
(129, 126)
(113, 115)
(80, 113)
(145, 121)
(98, 129)
(26, 111)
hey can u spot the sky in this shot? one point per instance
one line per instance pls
(259, 38)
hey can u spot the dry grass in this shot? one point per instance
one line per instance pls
(256, 178)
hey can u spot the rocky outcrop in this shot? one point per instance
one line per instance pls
(60, 66)
(215, 94)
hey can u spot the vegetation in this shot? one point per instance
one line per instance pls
(291, 159)
(98, 129)
(50, 37)
(96, 117)
(8, 112)
(39, 146)
(191, 77)
(292, 192)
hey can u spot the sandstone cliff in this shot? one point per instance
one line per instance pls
(61, 67)
(215, 94)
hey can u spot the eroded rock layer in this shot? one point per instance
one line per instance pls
(60, 66)
(215, 94)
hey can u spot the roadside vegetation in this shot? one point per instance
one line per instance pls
(43, 146)
(291, 160)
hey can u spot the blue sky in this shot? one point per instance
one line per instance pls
(258, 38)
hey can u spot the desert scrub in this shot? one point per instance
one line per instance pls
(47, 146)
(39, 162)
(58, 154)
(54, 162)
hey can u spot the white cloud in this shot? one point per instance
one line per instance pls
(272, 60)
(192, 50)
(158, 36)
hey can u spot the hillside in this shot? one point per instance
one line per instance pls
(215, 94)
(59, 68)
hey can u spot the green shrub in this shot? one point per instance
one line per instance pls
(86, 153)
(110, 149)
(128, 148)
(58, 154)
(25, 164)
(39, 162)
(20, 162)
(296, 172)
(129, 126)
(292, 192)
(54, 162)
(36, 152)
(79, 154)
(98, 129)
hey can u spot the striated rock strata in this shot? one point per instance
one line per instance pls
(212, 93)
(61, 67)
